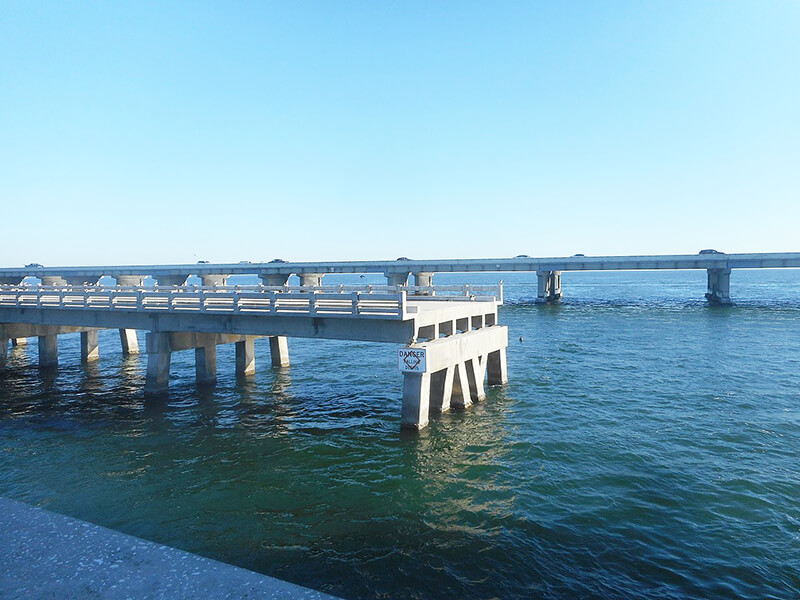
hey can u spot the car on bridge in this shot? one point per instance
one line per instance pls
(710, 251)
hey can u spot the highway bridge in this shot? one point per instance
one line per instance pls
(399, 272)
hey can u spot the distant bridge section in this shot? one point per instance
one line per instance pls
(398, 272)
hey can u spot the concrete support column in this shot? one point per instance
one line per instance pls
(396, 278)
(311, 279)
(48, 351)
(476, 373)
(442, 389)
(129, 280)
(3, 352)
(51, 280)
(214, 280)
(461, 397)
(205, 364)
(81, 280)
(171, 280)
(548, 286)
(89, 347)
(496, 367)
(423, 279)
(279, 350)
(159, 356)
(719, 286)
(19, 342)
(416, 400)
(130, 343)
(246, 357)
(275, 279)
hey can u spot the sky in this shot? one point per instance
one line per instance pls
(147, 132)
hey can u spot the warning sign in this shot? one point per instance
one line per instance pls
(412, 360)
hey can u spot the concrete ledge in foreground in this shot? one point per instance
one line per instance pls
(44, 555)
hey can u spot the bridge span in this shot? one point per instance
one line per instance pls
(452, 343)
(399, 272)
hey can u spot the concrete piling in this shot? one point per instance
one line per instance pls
(497, 368)
(548, 286)
(719, 286)
(206, 364)
(159, 356)
(129, 341)
(279, 350)
(246, 357)
(48, 351)
(89, 346)
(416, 400)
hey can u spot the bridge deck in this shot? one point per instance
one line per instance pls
(519, 263)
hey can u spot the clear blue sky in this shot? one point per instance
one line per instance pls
(138, 132)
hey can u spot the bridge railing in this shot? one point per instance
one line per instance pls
(208, 300)
(356, 301)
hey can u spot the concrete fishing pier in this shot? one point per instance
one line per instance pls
(452, 342)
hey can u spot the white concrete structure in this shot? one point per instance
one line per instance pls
(455, 326)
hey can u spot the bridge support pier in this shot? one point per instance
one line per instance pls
(423, 279)
(172, 280)
(53, 280)
(129, 280)
(455, 369)
(719, 286)
(416, 400)
(548, 286)
(205, 364)
(160, 347)
(442, 389)
(497, 368)
(129, 341)
(460, 396)
(246, 357)
(214, 280)
(396, 278)
(311, 279)
(48, 351)
(274, 279)
(81, 280)
(3, 352)
(159, 356)
(89, 346)
(279, 350)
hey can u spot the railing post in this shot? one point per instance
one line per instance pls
(312, 303)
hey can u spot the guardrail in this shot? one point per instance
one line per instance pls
(342, 301)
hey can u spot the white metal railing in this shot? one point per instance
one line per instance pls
(342, 301)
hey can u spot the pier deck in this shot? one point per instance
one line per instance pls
(451, 335)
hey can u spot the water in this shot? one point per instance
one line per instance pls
(646, 446)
